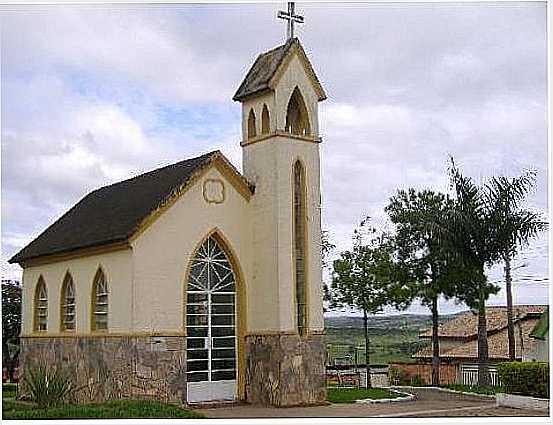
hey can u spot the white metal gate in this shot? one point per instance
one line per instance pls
(469, 374)
(211, 326)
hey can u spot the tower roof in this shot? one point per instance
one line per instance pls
(261, 75)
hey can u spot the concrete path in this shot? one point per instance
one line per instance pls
(429, 403)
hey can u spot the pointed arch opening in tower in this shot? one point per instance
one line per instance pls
(297, 118)
(251, 125)
(300, 237)
(265, 123)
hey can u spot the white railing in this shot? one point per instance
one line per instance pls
(469, 375)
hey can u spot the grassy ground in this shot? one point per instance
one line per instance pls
(119, 409)
(474, 389)
(9, 390)
(116, 409)
(350, 395)
(390, 345)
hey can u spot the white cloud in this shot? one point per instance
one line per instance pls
(94, 94)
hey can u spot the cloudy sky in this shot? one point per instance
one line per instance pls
(95, 94)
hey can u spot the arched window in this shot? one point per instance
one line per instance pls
(300, 236)
(41, 307)
(68, 304)
(265, 123)
(100, 302)
(297, 118)
(251, 125)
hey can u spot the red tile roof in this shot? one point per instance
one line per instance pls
(465, 326)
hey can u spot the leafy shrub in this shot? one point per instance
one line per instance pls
(396, 376)
(416, 381)
(47, 386)
(526, 378)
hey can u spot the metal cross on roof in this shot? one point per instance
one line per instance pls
(291, 18)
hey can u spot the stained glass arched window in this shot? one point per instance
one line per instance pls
(41, 307)
(100, 302)
(300, 236)
(68, 304)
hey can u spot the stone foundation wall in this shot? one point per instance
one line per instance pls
(105, 368)
(285, 370)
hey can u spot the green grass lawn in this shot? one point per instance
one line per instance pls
(118, 409)
(390, 345)
(473, 389)
(350, 395)
(9, 390)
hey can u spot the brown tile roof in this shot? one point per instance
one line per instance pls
(265, 67)
(498, 347)
(466, 324)
(113, 213)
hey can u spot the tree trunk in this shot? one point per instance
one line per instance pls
(435, 344)
(367, 362)
(510, 323)
(483, 371)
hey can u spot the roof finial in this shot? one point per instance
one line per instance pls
(291, 18)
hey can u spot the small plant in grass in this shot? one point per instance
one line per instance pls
(47, 386)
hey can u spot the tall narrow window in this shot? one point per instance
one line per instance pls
(297, 118)
(300, 230)
(41, 307)
(68, 304)
(265, 123)
(100, 302)
(251, 125)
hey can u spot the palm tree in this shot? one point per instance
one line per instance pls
(473, 244)
(516, 226)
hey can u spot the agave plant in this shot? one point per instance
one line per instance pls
(47, 386)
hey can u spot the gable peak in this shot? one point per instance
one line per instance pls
(264, 72)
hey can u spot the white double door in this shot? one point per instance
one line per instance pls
(211, 327)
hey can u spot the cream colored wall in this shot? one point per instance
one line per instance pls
(294, 75)
(162, 253)
(539, 353)
(268, 164)
(256, 103)
(118, 271)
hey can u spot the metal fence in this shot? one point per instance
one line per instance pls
(469, 375)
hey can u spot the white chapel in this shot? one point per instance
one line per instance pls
(194, 282)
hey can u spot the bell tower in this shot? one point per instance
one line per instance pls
(285, 350)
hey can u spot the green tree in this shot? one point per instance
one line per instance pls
(472, 238)
(364, 278)
(418, 218)
(326, 250)
(11, 324)
(516, 226)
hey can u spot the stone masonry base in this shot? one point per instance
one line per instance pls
(285, 370)
(113, 367)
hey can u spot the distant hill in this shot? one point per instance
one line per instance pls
(399, 322)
